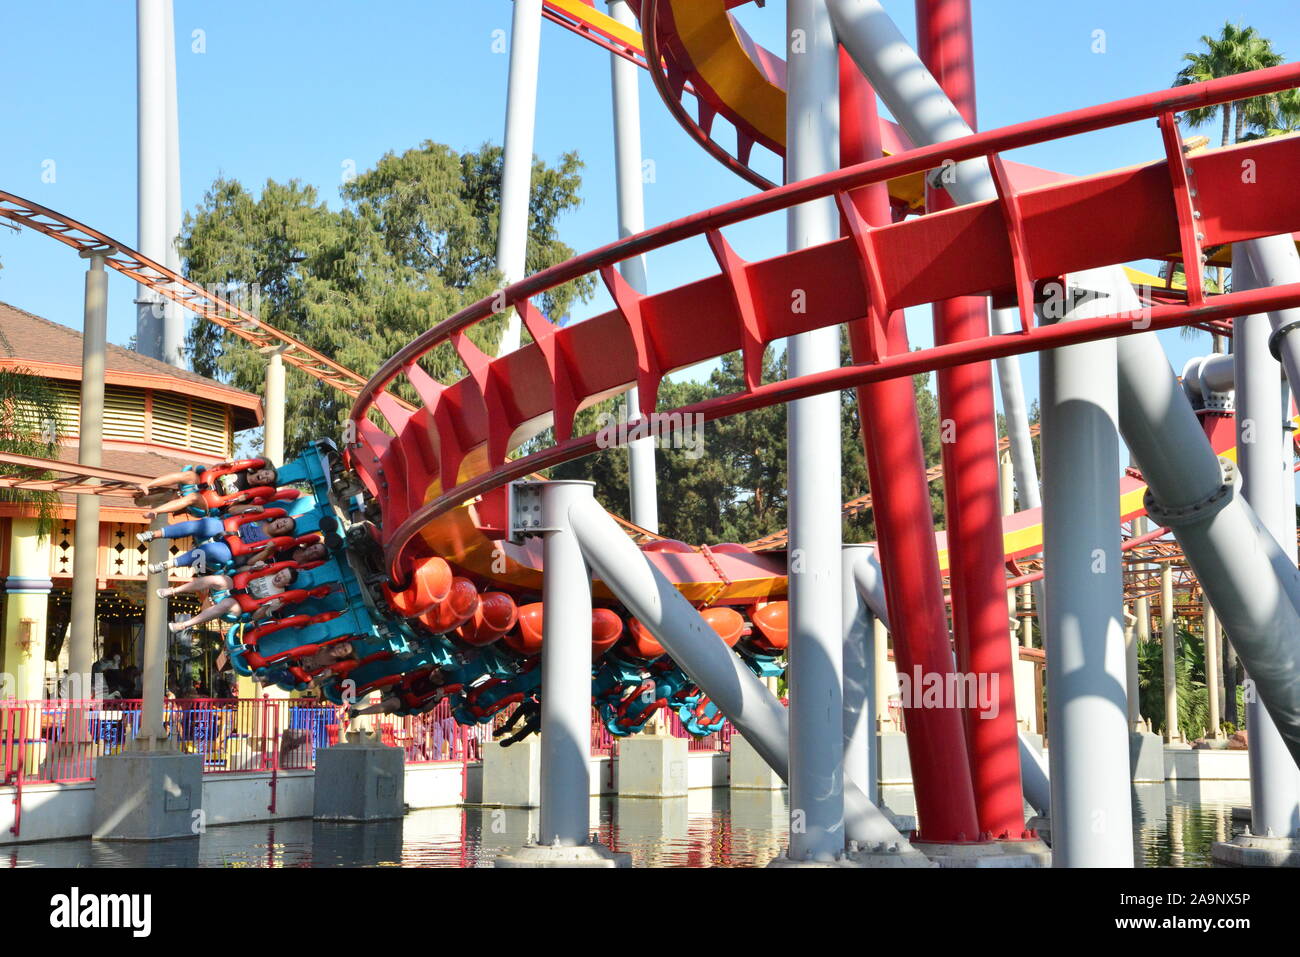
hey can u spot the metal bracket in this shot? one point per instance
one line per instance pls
(1199, 511)
(525, 510)
(1220, 402)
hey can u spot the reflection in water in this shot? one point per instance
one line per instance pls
(1175, 825)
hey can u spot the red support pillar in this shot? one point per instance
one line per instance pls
(936, 742)
(975, 553)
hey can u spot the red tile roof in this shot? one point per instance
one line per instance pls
(54, 350)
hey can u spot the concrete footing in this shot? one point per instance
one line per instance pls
(856, 856)
(652, 766)
(359, 781)
(1248, 850)
(512, 777)
(545, 855)
(749, 772)
(148, 796)
(1016, 854)
(1146, 757)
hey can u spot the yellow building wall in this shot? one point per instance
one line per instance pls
(27, 591)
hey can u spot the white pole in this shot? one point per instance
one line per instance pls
(624, 77)
(1087, 707)
(1274, 779)
(151, 162)
(517, 164)
(813, 430)
(90, 448)
(859, 679)
(273, 400)
(740, 694)
(566, 671)
(173, 331)
(920, 106)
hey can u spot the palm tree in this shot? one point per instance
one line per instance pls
(29, 408)
(1236, 50)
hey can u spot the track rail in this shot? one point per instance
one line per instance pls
(16, 472)
(454, 448)
(162, 281)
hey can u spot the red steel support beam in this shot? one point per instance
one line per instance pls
(969, 450)
(936, 741)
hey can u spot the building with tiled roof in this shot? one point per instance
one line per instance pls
(157, 419)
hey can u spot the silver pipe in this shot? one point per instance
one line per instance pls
(1274, 779)
(517, 163)
(624, 77)
(813, 463)
(566, 671)
(692, 644)
(1087, 705)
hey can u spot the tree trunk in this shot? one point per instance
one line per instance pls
(1227, 122)
(1241, 121)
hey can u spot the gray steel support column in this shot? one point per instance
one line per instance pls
(90, 448)
(152, 735)
(1273, 261)
(151, 163)
(1210, 625)
(1087, 710)
(517, 164)
(813, 430)
(1131, 680)
(624, 78)
(924, 111)
(273, 402)
(1027, 616)
(1141, 633)
(1169, 658)
(860, 757)
(1255, 590)
(1253, 585)
(754, 711)
(173, 321)
(1274, 779)
(566, 671)
(1034, 777)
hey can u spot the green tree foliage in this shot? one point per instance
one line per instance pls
(1189, 684)
(413, 242)
(29, 408)
(1235, 50)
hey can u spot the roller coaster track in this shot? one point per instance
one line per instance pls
(452, 450)
(33, 474)
(160, 280)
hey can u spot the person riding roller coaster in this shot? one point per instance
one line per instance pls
(331, 660)
(254, 594)
(211, 490)
(417, 692)
(245, 533)
(216, 556)
(530, 712)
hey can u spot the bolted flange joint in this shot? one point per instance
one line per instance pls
(1201, 510)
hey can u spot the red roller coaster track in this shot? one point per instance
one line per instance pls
(161, 280)
(453, 448)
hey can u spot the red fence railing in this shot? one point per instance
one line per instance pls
(60, 741)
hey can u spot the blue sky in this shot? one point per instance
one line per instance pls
(296, 89)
